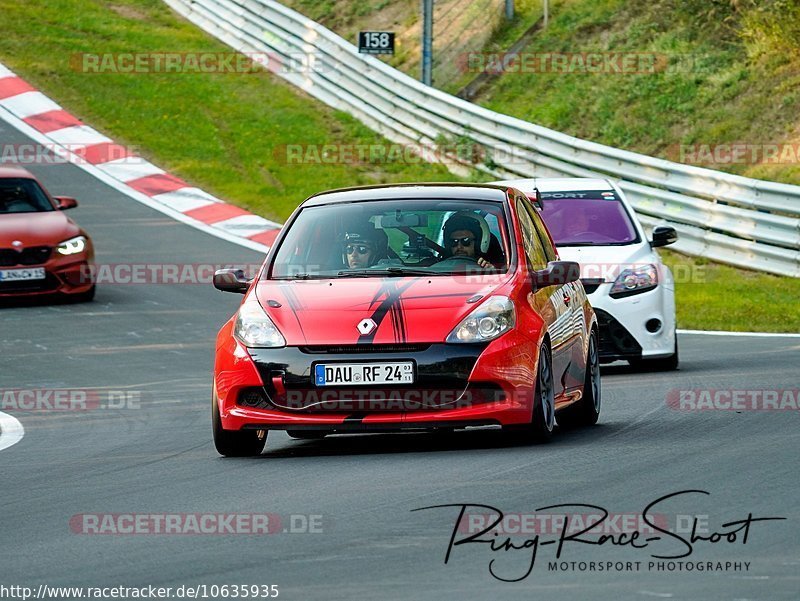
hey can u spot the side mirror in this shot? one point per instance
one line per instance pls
(231, 280)
(557, 273)
(65, 202)
(663, 235)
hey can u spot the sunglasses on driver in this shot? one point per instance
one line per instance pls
(466, 242)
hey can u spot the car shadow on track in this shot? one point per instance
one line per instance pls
(38, 301)
(431, 442)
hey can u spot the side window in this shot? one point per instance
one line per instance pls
(530, 239)
(538, 225)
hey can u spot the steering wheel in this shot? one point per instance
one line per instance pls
(594, 236)
(461, 258)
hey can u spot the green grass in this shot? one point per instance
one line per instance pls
(734, 76)
(222, 132)
(710, 296)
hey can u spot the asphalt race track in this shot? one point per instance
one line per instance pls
(155, 456)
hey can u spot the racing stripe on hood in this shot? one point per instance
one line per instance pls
(294, 305)
(391, 302)
(399, 322)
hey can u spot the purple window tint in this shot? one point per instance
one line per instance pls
(582, 221)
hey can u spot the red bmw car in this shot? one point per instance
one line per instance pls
(42, 251)
(418, 306)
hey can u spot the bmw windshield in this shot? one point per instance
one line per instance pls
(394, 238)
(21, 195)
(587, 218)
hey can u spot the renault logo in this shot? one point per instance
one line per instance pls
(365, 326)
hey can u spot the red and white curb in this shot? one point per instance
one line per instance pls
(37, 116)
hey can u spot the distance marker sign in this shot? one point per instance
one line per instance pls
(376, 42)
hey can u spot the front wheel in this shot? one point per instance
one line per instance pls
(543, 416)
(233, 443)
(586, 411)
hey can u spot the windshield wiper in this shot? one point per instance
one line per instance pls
(297, 276)
(386, 272)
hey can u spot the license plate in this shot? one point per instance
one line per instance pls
(363, 374)
(16, 275)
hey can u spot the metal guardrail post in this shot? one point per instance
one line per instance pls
(427, 41)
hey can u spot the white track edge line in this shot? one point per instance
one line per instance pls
(123, 188)
(751, 334)
(11, 430)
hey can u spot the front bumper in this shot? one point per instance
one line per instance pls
(627, 324)
(65, 275)
(455, 386)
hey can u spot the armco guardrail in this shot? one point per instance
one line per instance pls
(727, 218)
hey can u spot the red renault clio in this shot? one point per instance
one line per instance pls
(405, 307)
(42, 251)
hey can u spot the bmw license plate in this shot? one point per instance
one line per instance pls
(16, 275)
(363, 374)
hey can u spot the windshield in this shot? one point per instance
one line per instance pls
(587, 218)
(20, 195)
(386, 238)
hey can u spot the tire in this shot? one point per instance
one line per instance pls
(307, 434)
(543, 418)
(586, 411)
(663, 364)
(231, 443)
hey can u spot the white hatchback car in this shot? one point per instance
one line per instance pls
(631, 290)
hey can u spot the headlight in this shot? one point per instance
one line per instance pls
(73, 246)
(489, 320)
(634, 281)
(254, 328)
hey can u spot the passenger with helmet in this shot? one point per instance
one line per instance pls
(363, 245)
(466, 234)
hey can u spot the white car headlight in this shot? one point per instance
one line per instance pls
(254, 328)
(73, 246)
(489, 320)
(634, 281)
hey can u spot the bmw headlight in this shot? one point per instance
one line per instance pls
(635, 281)
(489, 320)
(254, 328)
(73, 246)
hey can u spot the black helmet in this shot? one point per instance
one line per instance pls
(472, 222)
(366, 232)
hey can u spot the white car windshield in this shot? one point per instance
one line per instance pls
(587, 218)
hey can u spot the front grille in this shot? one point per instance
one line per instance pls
(615, 341)
(371, 400)
(48, 284)
(364, 348)
(35, 255)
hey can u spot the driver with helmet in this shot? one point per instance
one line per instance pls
(466, 234)
(363, 245)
